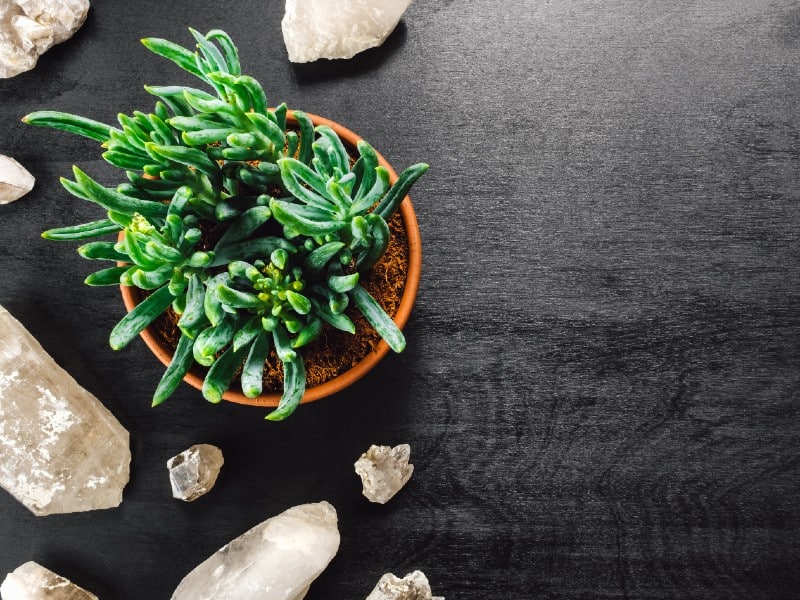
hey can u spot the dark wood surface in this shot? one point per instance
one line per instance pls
(601, 388)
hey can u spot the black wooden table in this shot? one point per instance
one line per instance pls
(601, 388)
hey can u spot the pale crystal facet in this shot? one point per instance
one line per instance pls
(28, 28)
(276, 560)
(314, 29)
(384, 471)
(413, 586)
(32, 581)
(15, 181)
(194, 472)
(61, 450)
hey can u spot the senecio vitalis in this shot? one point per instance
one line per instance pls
(203, 160)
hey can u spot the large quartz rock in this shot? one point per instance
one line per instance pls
(384, 471)
(314, 29)
(15, 181)
(61, 450)
(194, 472)
(276, 560)
(28, 28)
(32, 581)
(413, 586)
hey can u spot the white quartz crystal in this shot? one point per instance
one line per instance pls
(61, 450)
(32, 581)
(194, 472)
(413, 586)
(276, 560)
(314, 29)
(28, 28)
(15, 181)
(384, 471)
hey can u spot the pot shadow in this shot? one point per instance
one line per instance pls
(364, 62)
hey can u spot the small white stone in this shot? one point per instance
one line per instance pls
(15, 181)
(384, 471)
(32, 581)
(314, 29)
(28, 28)
(194, 471)
(413, 586)
(275, 560)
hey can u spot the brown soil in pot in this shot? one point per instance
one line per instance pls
(334, 352)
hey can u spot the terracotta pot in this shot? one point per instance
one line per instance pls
(163, 351)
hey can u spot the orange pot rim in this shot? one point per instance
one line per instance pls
(164, 351)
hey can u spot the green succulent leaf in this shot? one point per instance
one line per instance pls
(140, 317)
(343, 283)
(86, 188)
(177, 369)
(391, 201)
(380, 234)
(253, 371)
(294, 386)
(89, 128)
(171, 51)
(83, 231)
(102, 251)
(249, 249)
(219, 376)
(303, 219)
(110, 276)
(378, 318)
(212, 340)
(309, 333)
(193, 317)
(228, 49)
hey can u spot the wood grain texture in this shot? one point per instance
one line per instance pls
(601, 388)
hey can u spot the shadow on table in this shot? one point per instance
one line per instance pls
(363, 62)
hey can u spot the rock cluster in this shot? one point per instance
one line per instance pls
(384, 471)
(32, 581)
(314, 29)
(15, 181)
(61, 450)
(413, 586)
(275, 560)
(28, 28)
(194, 471)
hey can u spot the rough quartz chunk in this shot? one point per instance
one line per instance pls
(15, 181)
(61, 450)
(32, 581)
(413, 586)
(276, 560)
(194, 472)
(384, 471)
(28, 28)
(314, 29)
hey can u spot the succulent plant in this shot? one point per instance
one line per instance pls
(256, 234)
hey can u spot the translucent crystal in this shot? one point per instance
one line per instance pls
(194, 472)
(384, 471)
(275, 560)
(413, 586)
(32, 581)
(314, 29)
(61, 450)
(15, 181)
(28, 28)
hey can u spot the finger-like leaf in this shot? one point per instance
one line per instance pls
(378, 318)
(140, 317)
(72, 123)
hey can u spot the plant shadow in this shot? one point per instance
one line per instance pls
(364, 62)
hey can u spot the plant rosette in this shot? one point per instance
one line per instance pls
(164, 350)
(246, 236)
